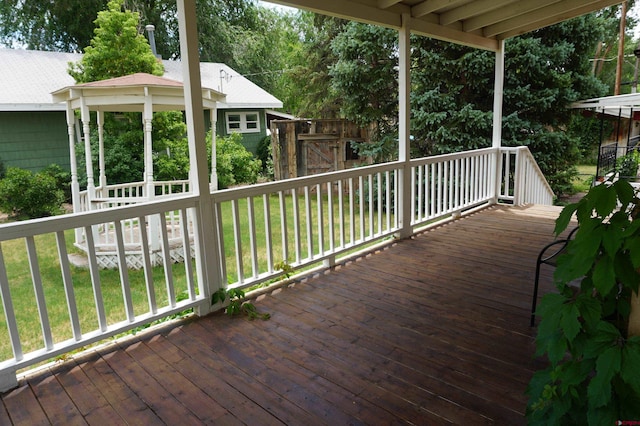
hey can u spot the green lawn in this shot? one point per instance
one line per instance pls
(582, 182)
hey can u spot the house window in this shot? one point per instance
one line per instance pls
(243, 122)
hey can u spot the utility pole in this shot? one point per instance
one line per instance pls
(623, 24)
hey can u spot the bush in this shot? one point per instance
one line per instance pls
(628, 165)
(62, 178)
(26, 195)
(234, 164)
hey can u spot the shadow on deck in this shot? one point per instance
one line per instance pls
(430, 330)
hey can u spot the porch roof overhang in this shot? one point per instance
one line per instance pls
(128, 93)
(618, 105)
(477, 23)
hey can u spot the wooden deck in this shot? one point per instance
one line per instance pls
(430, 330)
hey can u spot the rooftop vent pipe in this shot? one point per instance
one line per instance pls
(152, 40)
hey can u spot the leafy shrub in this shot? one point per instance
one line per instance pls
(24, 194)
(3, 169)
(234, 164)
(591, 335)
(62, 178)
(263, 153)
(628, 165)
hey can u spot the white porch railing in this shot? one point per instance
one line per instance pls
(522, 181)
(298, 222)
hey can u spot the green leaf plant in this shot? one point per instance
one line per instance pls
(591, 335)
(237, 304)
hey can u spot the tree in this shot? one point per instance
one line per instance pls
(452, 91)
(309, 91)
(61, 25)
(117, 48)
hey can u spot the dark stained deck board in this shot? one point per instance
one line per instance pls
(429, 330)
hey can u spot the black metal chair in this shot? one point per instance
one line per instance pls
(548, 256)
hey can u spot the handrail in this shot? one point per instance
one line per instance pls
(298, 223)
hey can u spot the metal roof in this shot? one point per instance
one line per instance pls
(477, 23)
(29, 77)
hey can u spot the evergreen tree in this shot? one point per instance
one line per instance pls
(117, 48)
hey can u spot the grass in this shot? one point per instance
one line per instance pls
(582, 182)
(24, 299)
(23, 295)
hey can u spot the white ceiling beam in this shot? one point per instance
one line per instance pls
(422, 27)
(429, 6)
(468, 10)
(570, 9)
(346, 9)
(520, 8)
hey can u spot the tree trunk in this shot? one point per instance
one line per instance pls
(634, 316)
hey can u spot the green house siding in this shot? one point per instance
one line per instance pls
(34, 140)
(250, 140)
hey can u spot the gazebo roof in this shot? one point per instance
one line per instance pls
(130, 92)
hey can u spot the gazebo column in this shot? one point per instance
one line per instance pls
(73, 162)
(147, 117)
(86, 134)
(404, 124)
(149, 187)
(103, 175)
(498, 94)
(214, 160)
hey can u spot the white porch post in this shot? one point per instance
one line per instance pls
(205, 229)
(498, 94)
(404, 124)
(86, 133)
(103, 175)
(214, 161)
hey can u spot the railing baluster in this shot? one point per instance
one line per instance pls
(63, 258)
(296, 223)
(166, 255)
(267, 231)
(309, 222)
(95, 279)
(39, 293)
(9, 313)
(361, 206)
(186, 244)
(146, 265)
(283, 226)
(387, 183)
(379, 187)
(341, 212)
(221, 246)
(238, 241)
(370, 195)
(415, 185)
(330, 213)
(253, 247)
(124, 272)
(396, 198)
(352, 216)
(320, 220)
